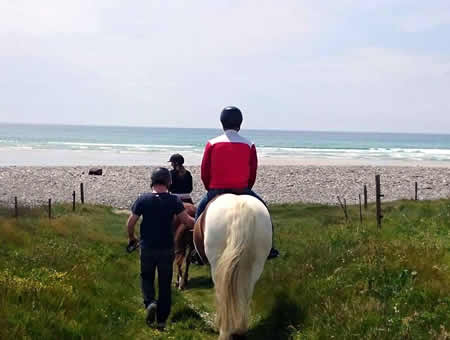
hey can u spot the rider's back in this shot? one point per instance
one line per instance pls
(229, 161)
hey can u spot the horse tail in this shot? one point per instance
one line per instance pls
(233, 289)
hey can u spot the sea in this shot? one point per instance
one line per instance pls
(26, 144)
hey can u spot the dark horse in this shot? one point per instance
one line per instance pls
(184, 247)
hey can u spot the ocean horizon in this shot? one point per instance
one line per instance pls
(45, 144)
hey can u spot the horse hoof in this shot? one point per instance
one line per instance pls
(238, 337)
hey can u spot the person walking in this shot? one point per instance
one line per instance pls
(157, 209)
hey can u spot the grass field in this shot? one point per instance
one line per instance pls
(70, 278)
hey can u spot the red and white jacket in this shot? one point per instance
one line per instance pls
(229, 162)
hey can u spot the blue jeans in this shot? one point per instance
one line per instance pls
(215, 192)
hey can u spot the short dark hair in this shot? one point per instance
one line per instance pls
(161, 176)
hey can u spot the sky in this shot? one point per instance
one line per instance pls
(347, 65)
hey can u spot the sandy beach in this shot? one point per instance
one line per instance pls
(120, 185)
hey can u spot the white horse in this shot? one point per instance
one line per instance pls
(238, 238)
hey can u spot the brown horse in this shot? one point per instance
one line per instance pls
(184, 247)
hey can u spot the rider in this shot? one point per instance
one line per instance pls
(181, 179)
(157, 243)
(229, 163)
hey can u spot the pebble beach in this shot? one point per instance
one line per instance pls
(119, 186)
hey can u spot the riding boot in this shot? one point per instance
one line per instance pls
(273, 253)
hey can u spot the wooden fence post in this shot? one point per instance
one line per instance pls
(378, 200)
(344, 207)
(16, 208)
(82, 193)
(365, 197)
(416, 189)
(360, 210)
(49, 208)
(73, 201)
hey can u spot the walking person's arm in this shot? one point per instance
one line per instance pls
(136, 212)
(131, 223)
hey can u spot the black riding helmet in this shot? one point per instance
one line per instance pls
(231, 118)
(177, 159)
(161, 176)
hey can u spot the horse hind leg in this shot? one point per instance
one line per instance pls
(189, 247)
(182, 277)
(179, 257)
(188, 257)
(180, 251)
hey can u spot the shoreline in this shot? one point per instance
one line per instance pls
(95, 158)
(119, 186)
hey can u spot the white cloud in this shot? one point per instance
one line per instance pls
(425, 21)
(46, 17)
(422, 16)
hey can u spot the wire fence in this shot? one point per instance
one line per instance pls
(17, 210)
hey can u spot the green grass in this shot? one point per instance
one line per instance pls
(71, 278)
(354, 281)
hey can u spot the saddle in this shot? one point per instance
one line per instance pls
(199, 233)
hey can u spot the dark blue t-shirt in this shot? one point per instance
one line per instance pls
(157, 210)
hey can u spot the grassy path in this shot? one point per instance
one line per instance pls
(71, 278)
